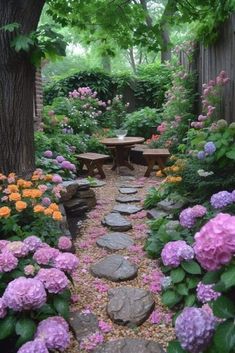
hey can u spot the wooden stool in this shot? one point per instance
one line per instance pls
(93, 161)
(155, 156)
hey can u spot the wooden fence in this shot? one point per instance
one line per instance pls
(209, 61)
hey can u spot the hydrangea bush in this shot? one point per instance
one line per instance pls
(35, 287)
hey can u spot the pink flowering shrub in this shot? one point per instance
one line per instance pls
(215, 242)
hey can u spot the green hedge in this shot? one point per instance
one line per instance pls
(147, 89)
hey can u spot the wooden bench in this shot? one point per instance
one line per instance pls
(155, 156)
(93, 161)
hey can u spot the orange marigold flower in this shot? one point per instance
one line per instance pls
(38, 208)
(5, 212)
(57, 216)
(48, 211)
(159, 173)
(20, 205)
(54, 207)
(35, 193)
(15, 196)
(175, 169)
(48, 177)
(27, 193)
(12, 188)
(35, 177)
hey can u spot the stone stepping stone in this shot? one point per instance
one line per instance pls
(116, 222)
(170, 206)
(128, 191)
(115, 268)
(155, 213)
(130, 345)
(132, 186)
(115, 241)
(127, 199)
(127, 209)
(129, 306)
(83, 324)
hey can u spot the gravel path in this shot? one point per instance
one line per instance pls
(91, 292)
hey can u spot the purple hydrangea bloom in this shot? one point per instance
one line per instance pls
(8, 261)
(3, 244)
(187, 218)
(176, 251)
(46, 201)
(194, 329)
(64, 243)
(3, 309)
(199, 211)
(48, 154)
(66, 262)
(17, 248)
(54, 280)
(57, 178)
(60, 159)
(201, 155)
(53, 333)
(66, 165)
(45, 255)
(24, 294)
(209, 148)
(206, 293)
(232, 194)
(221, 199)
(33, 243)
(36, 346)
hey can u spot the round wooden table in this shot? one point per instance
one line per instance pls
(121, 149)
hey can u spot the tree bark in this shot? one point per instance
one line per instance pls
(17, 79)
(132, 59)
(169, 11)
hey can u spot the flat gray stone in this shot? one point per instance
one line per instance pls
(170, 206)
(130, 345)
(155, 213)
(127, 209)
(95, 183)
(116, 222)
(172, 225)
(129, 306)
(133, 186)
(115, 268)
(128, 191)
(83, 324)
(115, 241)
(127, 199)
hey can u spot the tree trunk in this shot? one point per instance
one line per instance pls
(17, 78)
(132, 60)
(169, 11)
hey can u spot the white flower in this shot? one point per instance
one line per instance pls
(203, 173)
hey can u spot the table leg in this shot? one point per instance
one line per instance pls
(100, 169)
(120, 158)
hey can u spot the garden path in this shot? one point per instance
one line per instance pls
(91, 293)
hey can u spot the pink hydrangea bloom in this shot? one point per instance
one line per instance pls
(66, 262)
(57, 178)
(3, 244)
(17, 248)
(36, 346)
(54, 280)
(45, 255)
(54, 332)
(206, 293)
(3, 309)
(199, 211)
(48, 154)
(176, 251)
(64, 243)
(187, 219)
(8, 261)
(24, 294)
(33, 243)
(215, 242)
(29, 270)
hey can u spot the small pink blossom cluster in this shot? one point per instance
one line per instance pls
(64, 243)
(159, 317)
(140, 230)
(139, 215)
(104, 326)
(92, 341)
(100, 286)
(154, 280)
(215, 242)
(82, 93)
(210, 90)
(175, 252)
(188, 216)
(162, 127)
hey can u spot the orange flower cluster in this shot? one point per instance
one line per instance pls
(171, 172)
(20, 195)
